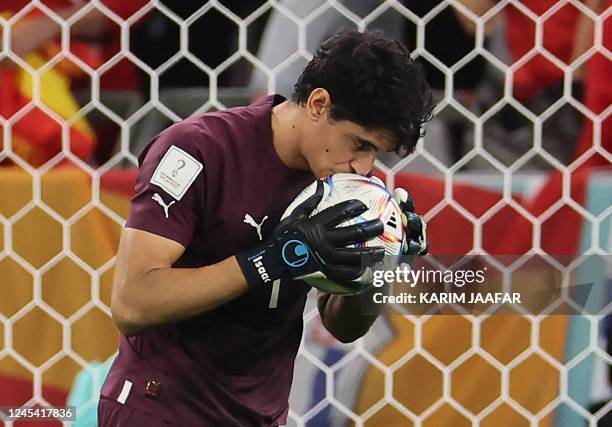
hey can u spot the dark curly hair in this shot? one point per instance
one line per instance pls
(373, 82)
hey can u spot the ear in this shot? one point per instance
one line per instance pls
(318, 104)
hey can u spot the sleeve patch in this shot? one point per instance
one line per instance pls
(176, 171)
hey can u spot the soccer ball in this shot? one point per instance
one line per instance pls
(381, 204)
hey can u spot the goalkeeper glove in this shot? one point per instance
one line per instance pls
(415, 242)
(302, 245)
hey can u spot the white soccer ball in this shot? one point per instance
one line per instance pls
(381, 205)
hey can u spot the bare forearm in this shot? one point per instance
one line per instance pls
(343, 317)
(166, 295)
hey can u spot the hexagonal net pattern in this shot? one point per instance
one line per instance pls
(501, 104)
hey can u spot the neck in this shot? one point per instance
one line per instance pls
(286, 131)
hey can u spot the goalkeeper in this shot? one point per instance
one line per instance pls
(208, 305)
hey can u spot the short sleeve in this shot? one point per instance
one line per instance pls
(169, 194)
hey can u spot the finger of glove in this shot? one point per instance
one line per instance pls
(403, 199)
(373, 255)
(307, 206)
(356, 256)
(414, 228)
(412, 247)
(424, 250)
(340, 212)
(358, 233)
(344, 273)
(404, 221)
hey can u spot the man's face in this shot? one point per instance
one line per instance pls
(340, 146)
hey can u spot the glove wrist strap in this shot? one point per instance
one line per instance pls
(259, 266)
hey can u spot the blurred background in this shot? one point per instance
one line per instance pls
(516, 161)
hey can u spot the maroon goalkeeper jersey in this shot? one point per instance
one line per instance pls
(215, 184)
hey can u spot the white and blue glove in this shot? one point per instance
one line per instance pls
(302, 245)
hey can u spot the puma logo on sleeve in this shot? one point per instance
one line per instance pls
(248, 219)
(163, 204)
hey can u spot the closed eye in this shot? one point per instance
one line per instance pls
(363, 145)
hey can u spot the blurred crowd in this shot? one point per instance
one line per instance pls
(465, 48)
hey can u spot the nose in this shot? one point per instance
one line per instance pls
(362, 165)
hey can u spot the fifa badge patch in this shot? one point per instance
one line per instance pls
(176, 172)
